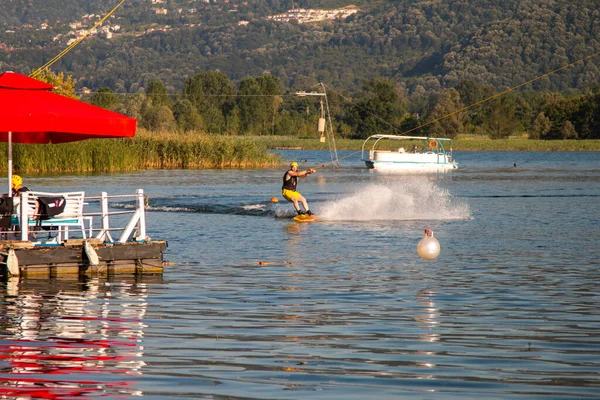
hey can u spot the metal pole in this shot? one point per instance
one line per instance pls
(10, 164)
(24, 220)
(104, 233)
(142, 210)
(328, 132)
(332, 147)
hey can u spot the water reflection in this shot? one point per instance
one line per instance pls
(430, 317)
(62, 338)
(429, 320)
(293, 233)
(262, 307)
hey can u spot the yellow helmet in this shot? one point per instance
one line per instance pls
(294, 163)
(16, 181)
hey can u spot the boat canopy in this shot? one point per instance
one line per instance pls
(378, 138)
(432, 156)
(398, 137)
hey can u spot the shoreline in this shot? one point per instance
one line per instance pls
(164, 151)
(460, 144)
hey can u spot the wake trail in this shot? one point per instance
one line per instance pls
(167, 205)
(411, 199)
(408, 200)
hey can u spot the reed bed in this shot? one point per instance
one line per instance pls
(147, 150)
(164, 150)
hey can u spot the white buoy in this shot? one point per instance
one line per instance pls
(429, 247)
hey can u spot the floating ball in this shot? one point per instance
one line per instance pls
(274, 200)
(429, 247)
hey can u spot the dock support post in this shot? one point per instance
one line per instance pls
(104, 234)
(138, 218)
(141, 205)
(24, 218)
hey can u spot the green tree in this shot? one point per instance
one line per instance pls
(541, 127)
(233, 123)
(64, 86)
(270, 89)
(471, 92)
(251, 105)
(106, 98)
(451, 123)
(558, 109)
(586, 118)
(158, 118)
(378, 109)
(213, 120)
(186, 116)
(132, 105)
(157, 94)
(500, 121)
(258, 102)
(409, 123)
(568, 131)
(212, 93)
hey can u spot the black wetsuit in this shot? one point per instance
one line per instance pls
(290, 184)
(17, 193)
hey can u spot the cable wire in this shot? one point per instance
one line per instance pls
(38, 71)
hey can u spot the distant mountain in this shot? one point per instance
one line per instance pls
(425, 45)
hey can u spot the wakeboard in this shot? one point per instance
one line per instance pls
(305, 218)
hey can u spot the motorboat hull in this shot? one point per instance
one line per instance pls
(386, 160)
(426, 154)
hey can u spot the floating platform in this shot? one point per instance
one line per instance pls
(74, 257)
(39, 244)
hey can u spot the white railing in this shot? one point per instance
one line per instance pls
(26, 224)
(137, 221)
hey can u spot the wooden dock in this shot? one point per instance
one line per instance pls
(40, 245)
(74, 257)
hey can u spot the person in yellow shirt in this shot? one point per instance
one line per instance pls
(288, 190)
(17, 186)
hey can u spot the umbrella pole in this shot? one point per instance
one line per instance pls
(9, 164)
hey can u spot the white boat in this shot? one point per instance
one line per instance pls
(430, 155)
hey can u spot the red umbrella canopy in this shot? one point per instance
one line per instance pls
(35, 115)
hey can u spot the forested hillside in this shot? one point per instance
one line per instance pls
(426, 45)
(225, 67)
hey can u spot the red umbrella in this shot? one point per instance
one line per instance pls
(30, 113)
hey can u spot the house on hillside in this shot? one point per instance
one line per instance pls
(307, 15)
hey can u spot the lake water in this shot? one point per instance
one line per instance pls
(256, 306)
